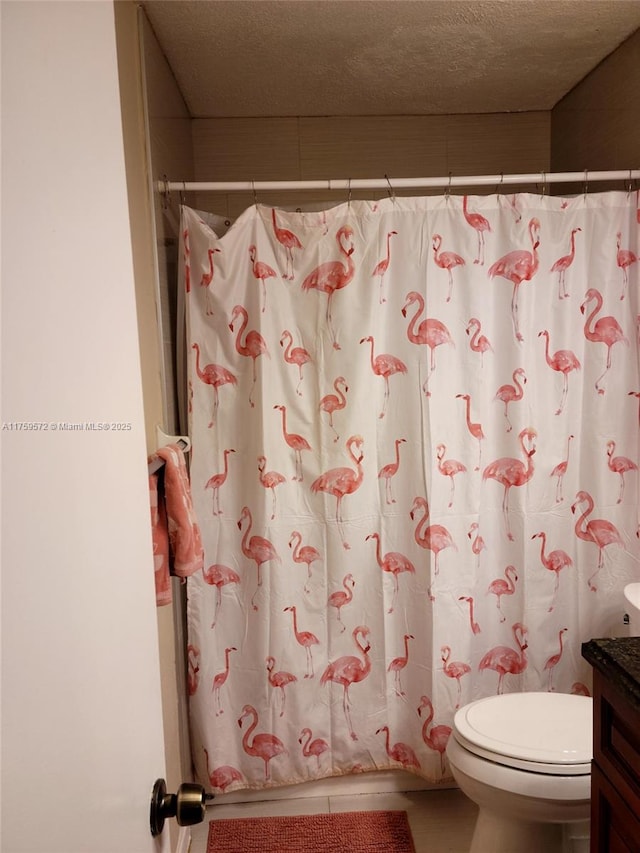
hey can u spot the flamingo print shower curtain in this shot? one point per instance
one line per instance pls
(415, 466)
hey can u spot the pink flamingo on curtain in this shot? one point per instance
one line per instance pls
(279, 680)
(400, 752)
(264, 746)
(261, 272)
(390, 470)
(332, 403)
(305, 554)
(382, 267)
(500, 587)
(456, 669)
(254, 344)
(398, 664)
(446, 261)
(579, 689)
(385, 366)
(475, 429)
(312, 748)
(563, 361)
(214, 375)
(449, 468)
(559, 471)
(296, 442)
(620, 465)
(518, 266)
(554, 561)
(438, 737)
(505, 660)
(207, 278)
(305, 639)
(624, 259)
(477, 342)
(606, 330)
(289, 242)
(475, 626)
(434, 537)
(480, 225)
(270, 480)
(223, 776)
(342, 481)
(333, 275)
(294, 355)
(220, 679)
(511, 393)
(562, 265)
(255, 548)
(511, 472)
(350, 670)
(394, 563)
(554, 660)
(599, 531)
(218, 575)
(216, 481)
(477, 542)
(341, 597)
(431, 332)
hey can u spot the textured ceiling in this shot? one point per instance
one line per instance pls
(383, 57)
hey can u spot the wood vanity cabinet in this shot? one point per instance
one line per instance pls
(615, 770)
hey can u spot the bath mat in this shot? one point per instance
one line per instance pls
(341, 832)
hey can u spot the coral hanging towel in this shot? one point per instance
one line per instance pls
(186, 554)
(160, 534)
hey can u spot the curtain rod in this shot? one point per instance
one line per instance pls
(585, 177)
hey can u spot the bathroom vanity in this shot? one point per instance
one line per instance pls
(615, 774)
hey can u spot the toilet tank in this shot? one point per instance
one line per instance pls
(632, 608)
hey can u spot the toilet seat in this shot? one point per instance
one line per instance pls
(547, 733)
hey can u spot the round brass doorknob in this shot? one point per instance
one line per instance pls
(187, 805)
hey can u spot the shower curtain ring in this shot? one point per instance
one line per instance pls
(629, 185)
(447, 191)
(586, 182)
(391, 190)
(166, 195)
(349, 195)
(183, 192)
(255, 194)
(544, 184)
(499, 186)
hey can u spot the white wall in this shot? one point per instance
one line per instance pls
(81, 722)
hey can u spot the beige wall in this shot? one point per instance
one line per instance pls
(142, 238)
(82, 736)
(597, 125)
(151, 91)
(170, 151)
(361, 147)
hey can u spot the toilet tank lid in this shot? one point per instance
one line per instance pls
(553, 728)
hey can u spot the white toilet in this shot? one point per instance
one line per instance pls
(632, 607)
(525, 760)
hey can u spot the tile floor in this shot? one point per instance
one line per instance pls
(441, 821)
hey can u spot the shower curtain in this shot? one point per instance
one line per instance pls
(415, 454)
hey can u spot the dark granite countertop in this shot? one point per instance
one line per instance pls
(618, 660)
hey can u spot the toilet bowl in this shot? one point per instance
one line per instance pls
(525, 760)
(632, 607)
